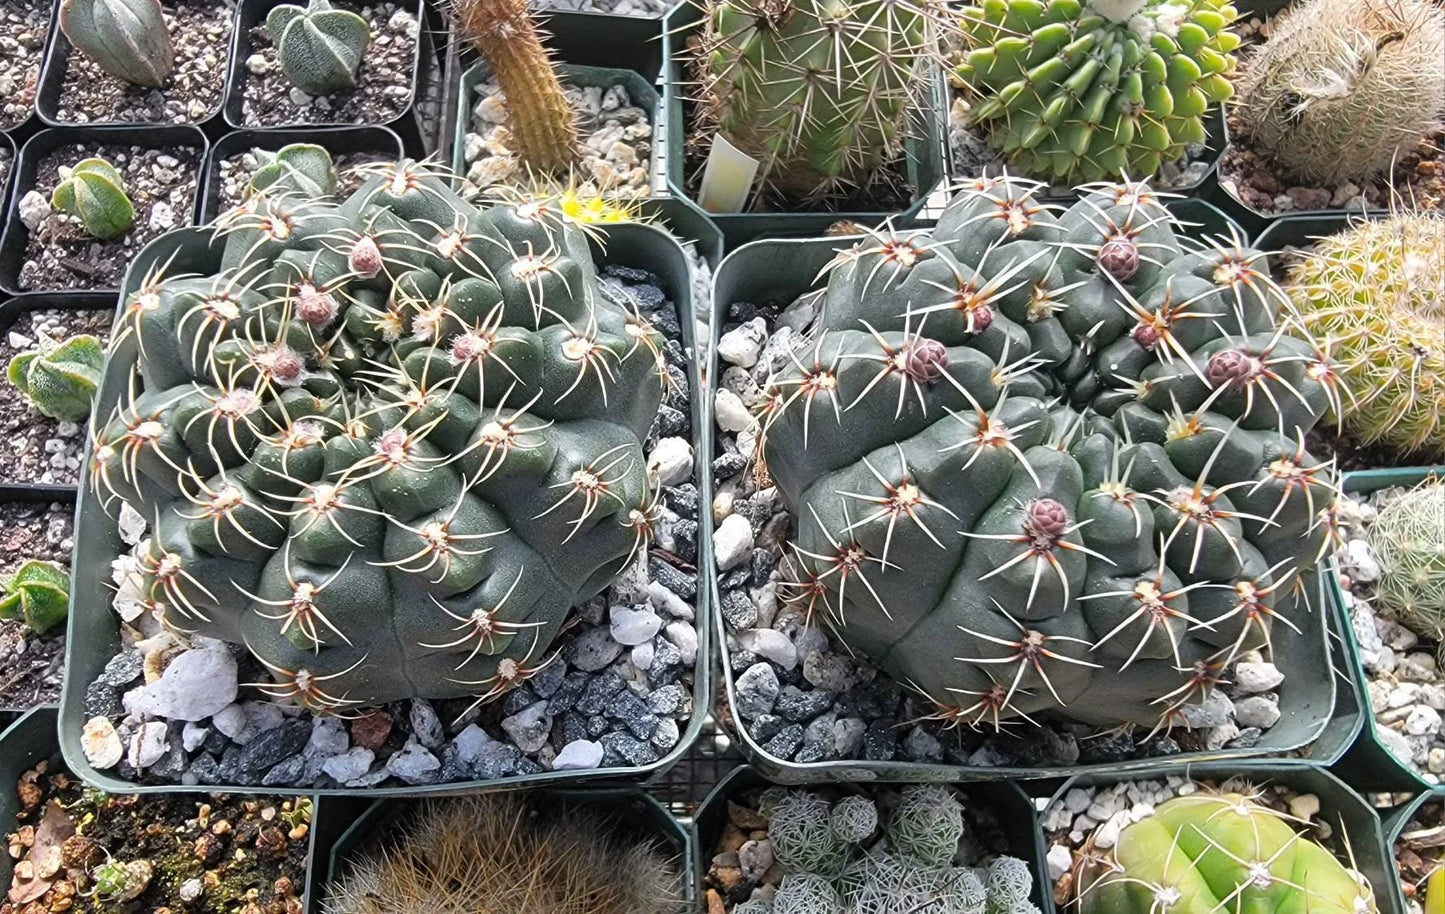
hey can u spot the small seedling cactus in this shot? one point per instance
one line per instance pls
(1083, 90)
(126, 38)
(1408, 538)
(1342, 88)
(320, 47)
(1205, 853)
(59, 378)
(300, 168)
(388, 443)
(1052, 464)
(38, 594)
(95, 194)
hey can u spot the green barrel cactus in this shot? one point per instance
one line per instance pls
(59, 378)
(320, 47)
(1205, 853)
(1088, 90)
(388, 444)
(95, 194)
(38, 594)
(1052, 463)
(126, 38)
(298, 168)
(1408, 537)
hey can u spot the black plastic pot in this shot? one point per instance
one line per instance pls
(1348, 814)
(336, 140)
(416, 125)
(682, 217)
(52, 82)
(8, 151)
(16, 235)
(1395, 825)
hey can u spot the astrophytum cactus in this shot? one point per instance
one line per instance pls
(94, 193)
(59, 377)
(297, 168)
(1052, 463)
(320, 47)
(388, 444)
(126, 38)
(38, 594)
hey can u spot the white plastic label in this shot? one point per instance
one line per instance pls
(726, 178)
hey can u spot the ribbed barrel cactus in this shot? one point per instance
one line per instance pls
(1204, 853)
(1052, 463)
(388, 443)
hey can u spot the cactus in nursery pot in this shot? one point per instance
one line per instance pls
(1408, 538)
(320, 47)
(38, 594)
(1084, 90)
(1204, 853)
(1052, 463)
(298, 168)
(95, 194)
(59, 378)
(126, 38)
(389, 444)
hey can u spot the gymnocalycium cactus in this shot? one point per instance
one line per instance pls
(319, 47)
(1408, 538)
(126, 38)
(817, 91)
(1083, 90)
(59, 378)
(38, 594)
(299, 168)
(1052, 463)
(1204, 853)
(388, 443)
(95, 194)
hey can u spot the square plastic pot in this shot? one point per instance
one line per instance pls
(94, 632)
(1347, 812)
(27, 163)
(336, 140)
(1395, 824)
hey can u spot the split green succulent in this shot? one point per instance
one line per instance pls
(127, 38)
(320, 47)
(38, 594)
(95, 194)
(59, 378)
(299, 168)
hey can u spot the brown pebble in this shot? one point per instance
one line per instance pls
(370, 730)
(732, 839)
(1263, 180)
(745, 818)
(715, 903)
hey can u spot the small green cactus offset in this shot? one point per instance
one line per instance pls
(95, 194)
(126, 38)
(300, 168)
(1207, 853)
(59, 377)
(38, 594)
(1408, 538)
(1087, 90)
(320, 47)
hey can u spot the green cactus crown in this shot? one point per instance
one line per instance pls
(388, 443)
(127, 38)
(59, 378)
(38, 594)
(95, 194)
(299, 168)
(1052, 463)
(320, 47)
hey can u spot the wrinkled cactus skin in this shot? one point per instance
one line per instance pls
(1052, 463)
(390, 444)
(320, 47)
(1204, 853)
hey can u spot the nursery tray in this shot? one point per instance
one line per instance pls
(94, 630)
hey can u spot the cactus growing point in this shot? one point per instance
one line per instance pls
(126, 38)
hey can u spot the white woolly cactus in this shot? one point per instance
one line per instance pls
(126, 38)
(1408, 537)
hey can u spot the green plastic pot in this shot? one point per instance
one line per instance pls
(1395, 824)
(1340, 805)
(94, 632)
(627, 807)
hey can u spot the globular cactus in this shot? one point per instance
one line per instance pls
(927, 825)
(1205, 853)
(819, 92)
(806, 894)
(59, 378)
(95, 194)
(298, 168)
(854, 819)
(1375, 293)
(38, 594)
(1083, 90)
(126, 38)
(800, 828)
(1052, 463)
(319, 47)
(388, 443)
(1342, 88)
(1408, 538)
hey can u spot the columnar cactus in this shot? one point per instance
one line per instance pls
(320, 48)
(1376, 293)
(1082, 90)
(1408, 537)
(95, 194)
(298, 168)
(1205, 853)
(1342, 88)
(59, 378)
(388, 443)
(1049, 463)
(126, 38)
(38, 594)
(817, 91)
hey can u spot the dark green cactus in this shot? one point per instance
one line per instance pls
(389, 444)
(1052, 462)
(38, 594)
(320, 47)
(126, 38)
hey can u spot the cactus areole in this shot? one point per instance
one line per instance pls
(1086, 505)
(388, 444)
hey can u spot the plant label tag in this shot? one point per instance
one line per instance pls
(726, 178)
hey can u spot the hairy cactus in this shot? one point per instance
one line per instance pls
(299, 168)
(819, 92)
(1408, 537)
(806, 894)
(95, 194)
(1205, 853)
(389, 444)
(38, 594)
(1083, 90)
(801, 829)
(1115, 424)
(1376, 294)
(855, 819)
(59, 378)
(927, 825)
(320, 48)
(1343, 87)
(126, 38)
